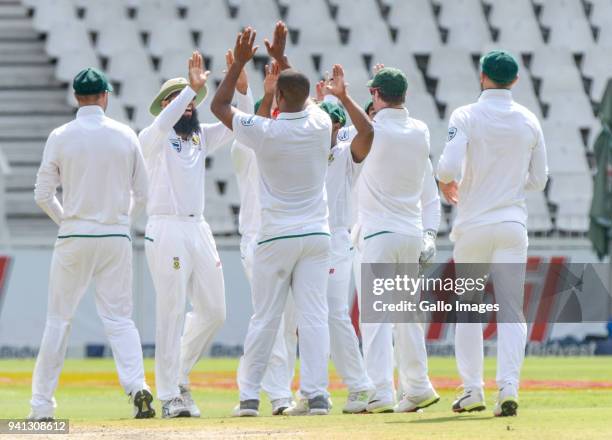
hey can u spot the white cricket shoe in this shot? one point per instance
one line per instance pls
(472, 399)
(142, 401)
(507, 401)
(247, 408)
(41, 415)
(299, 407)
(189, 402)
(377, 406)
(357, 401)
(280, 405)
(174, 408)
(415, 403)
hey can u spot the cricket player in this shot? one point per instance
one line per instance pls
(390, 219)
(98, 163)
(179, 244)
(293, 240)
(495, 151)
(345, 161)
(279, 374)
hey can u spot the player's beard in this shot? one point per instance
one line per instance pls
(188, 125)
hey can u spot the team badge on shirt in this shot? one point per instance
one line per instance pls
(247, 121)
(176, 144)
(343, 135)
(195, 139)
(176, 263)
(452, 131)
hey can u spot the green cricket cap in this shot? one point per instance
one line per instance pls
(366, 107)
(500, 66)
(390, 81)
(91, 81)
(335, 112)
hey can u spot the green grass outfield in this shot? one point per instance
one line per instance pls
(562, 398)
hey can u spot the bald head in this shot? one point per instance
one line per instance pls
(293, 89)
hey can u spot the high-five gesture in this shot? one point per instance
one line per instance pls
(272, 73)
(245, 48)
(337, 86)
(243, 82)
(197, 75)
(276, 49)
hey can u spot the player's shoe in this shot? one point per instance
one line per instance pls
(280, 405)
(175, 408)
(247, 408)
(142, 401)
(378, 406)
(299, 407)
(40, 415)
(413, 404)
(194, 411)
(507, 402)
(472, 399)
(318, 406)
(357, 401)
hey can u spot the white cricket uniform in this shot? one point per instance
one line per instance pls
(98, 164)
(293, 242)
(495, 151)
(179, 244)
(390, 191)
(279, 374)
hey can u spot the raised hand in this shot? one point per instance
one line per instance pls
(377, 68)
(337, 86)
(197, 75)
(276, 49)
(272, 73)
(245, 48)
(243, 82)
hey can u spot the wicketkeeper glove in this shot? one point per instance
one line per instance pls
(429, 246)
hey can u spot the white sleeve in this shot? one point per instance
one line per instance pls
(140, 183)
(250, 130)
(538, 168)
(451, 161)
(430, 201)
(169, 116)
(47, 181)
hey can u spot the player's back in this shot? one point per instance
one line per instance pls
(293, 166)
(391, 181)
(96, 157)
(501, 138)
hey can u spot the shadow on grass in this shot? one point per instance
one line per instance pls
(457, 418)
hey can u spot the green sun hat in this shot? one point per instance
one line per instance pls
(335, 112)
(390, 81)
(500, 66)
(91, 81)
(171, 86)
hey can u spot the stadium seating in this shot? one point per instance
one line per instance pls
(563, 47)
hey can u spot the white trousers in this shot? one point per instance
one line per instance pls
(279, 373)
(378, 338)
(498, 243)
(76, 262)
(184, 264)
(302, 264)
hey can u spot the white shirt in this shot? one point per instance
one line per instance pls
(176, 167)
(97, 162)
(391, 182)
(495, 151)
(430, 201)
(342, 174)
(245, 167)
(291, 153)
